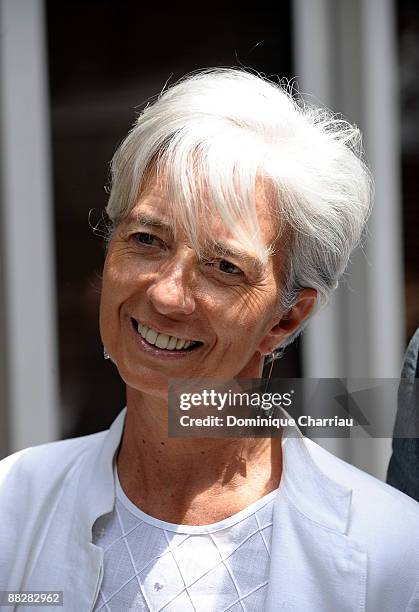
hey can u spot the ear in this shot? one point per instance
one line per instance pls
(289, 322)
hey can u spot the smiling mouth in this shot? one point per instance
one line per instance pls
(164, 341)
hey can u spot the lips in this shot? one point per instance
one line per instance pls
(164, 341)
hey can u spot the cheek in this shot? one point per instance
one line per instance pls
(112, 295)
(108, 295)
(118, 283)
(107, 319)
(242, 325)
(254, 311)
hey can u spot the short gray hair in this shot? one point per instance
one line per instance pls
(217, 132)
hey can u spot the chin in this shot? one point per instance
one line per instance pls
(145, 381)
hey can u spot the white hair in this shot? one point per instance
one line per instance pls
(217, 132)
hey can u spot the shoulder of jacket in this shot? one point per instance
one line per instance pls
(49, 459)
(369, 494)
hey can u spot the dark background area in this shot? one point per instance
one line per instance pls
(105, 60)
(408, 38)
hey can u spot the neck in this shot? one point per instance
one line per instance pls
(190, 480)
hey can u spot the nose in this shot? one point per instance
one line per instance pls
(171, 290)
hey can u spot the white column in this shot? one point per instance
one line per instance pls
(314, 68)
(28, 292)
(380, 103)
(345, 55)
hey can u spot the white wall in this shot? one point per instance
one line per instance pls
(345, 58)
(29, 355)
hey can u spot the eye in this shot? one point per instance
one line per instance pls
(146, 239)
(228, 268)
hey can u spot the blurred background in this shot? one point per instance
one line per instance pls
(73, 77)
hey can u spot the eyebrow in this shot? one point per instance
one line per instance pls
(150, 221)
(226, 251)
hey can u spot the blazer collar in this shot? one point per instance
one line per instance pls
(317, 496)
(315, 564)
(97, 483)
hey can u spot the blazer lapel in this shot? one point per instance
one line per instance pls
(96, 497)
(315, 566)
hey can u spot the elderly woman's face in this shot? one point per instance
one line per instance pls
(167, 314)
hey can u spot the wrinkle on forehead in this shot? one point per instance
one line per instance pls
(199, 219)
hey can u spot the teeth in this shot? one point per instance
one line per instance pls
(172, 343)
(151, 336)
(163, 341)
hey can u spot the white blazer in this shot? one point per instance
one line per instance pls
(342, 541)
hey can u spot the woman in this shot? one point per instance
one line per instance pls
(234, 211)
